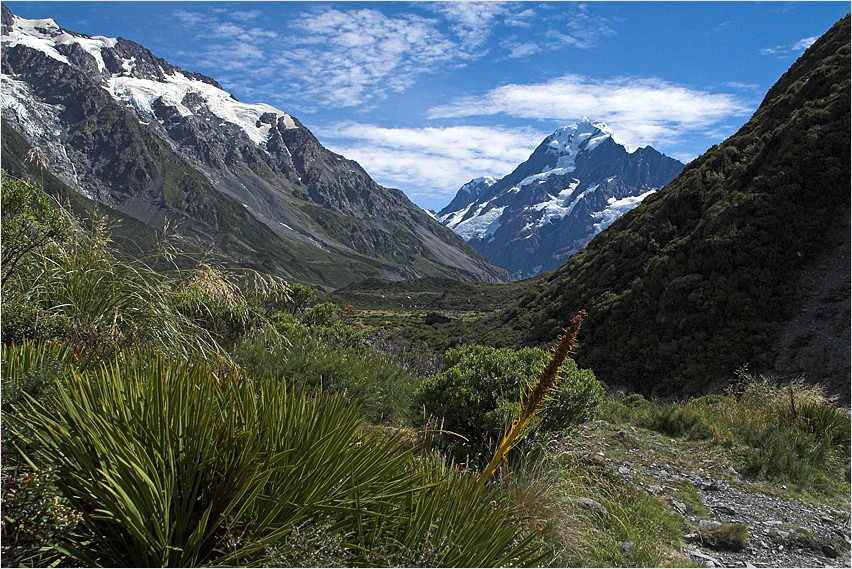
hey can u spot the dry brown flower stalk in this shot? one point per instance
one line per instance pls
(546, 382)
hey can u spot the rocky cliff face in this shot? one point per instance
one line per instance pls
(132, 131)
(575, 184)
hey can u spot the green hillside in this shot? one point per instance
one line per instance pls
(698, 280)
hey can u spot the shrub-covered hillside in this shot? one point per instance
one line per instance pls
(700, 278)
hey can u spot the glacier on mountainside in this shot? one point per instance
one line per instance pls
(575, 184)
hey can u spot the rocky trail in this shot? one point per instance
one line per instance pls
(698, 481)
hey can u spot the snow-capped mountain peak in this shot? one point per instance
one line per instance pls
(144, 86)
(478, 185)
(584, 135)
(571, 187)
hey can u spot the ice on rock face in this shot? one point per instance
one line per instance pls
(616, 208)
(35, 34)
(559, 205)
(584, 135)
(46, 35)
(34, 116)
(141, 94)
(93, 46)
(481, 225)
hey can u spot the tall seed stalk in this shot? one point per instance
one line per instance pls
(546, 382)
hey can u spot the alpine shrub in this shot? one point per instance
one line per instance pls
(477, 393)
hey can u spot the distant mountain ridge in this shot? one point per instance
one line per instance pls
(128, 129)
(575, 184)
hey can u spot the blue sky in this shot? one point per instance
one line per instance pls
(427, 95)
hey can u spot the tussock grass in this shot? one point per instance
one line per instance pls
(108, 303)
(726, 537)
(788, 431)
(598, 515)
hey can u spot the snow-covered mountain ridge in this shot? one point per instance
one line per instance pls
(161, 144)
(141, 86)
(575, 184)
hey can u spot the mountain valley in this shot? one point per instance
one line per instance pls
(225, 345)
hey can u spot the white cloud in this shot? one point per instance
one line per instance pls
(345, 55)
(582, 29)
(234, 46)
(743, 86)
(794, 50)
(191, 19)
(641, 110)
(246, 15)
(805, 43)
(473, 22)
(348, 58)
(517, 50)
(431, 162)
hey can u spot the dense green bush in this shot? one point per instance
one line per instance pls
(480, 389)
(35, 517)
(334, 324)
(29, 222)
(22, 321)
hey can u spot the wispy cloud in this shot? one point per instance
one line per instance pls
(236, 46)
(793, 50)
(473, 22)
(577, 28)
(247, 15)
(330, 56)
(582, 29)
(518, 49)
(641, 110)
(431, 162)
(349, 56)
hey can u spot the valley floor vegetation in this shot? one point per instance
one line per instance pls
(195, 415)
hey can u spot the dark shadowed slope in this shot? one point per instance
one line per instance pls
(743, 259)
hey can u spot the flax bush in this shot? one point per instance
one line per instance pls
(177, 461)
